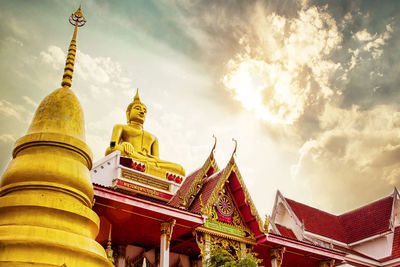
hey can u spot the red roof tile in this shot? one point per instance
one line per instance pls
(350, 227)
(206, 191)
(285, 231)
(367, 221)
(175, 201)
(318, 221)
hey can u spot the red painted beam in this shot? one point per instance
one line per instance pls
(305, 247)
(190, 218)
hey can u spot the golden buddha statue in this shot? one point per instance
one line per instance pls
(135, 143)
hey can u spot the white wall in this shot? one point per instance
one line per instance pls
(377, 248)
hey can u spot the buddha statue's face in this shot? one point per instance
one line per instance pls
(137, 113)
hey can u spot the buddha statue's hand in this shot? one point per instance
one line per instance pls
(128, 148)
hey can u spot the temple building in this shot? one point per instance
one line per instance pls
(134, 208)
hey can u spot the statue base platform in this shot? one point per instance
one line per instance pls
(135, 177)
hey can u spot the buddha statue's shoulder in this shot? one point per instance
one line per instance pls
(149, 136)
(120, 126)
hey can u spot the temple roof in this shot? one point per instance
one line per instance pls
(349, 227)
(284, 231)
(193, 183)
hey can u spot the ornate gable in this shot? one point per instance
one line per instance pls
(225, 216)
(226, 203)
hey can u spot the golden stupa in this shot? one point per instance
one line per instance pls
(46, 192)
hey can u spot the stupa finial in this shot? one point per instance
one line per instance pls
(78, 20)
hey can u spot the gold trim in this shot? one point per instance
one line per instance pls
(224, 235)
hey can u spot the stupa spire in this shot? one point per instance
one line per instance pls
(78, 20)
(46, 193)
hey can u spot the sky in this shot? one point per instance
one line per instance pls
(309, 89)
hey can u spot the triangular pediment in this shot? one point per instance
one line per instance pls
(226, 217)
(228, 205)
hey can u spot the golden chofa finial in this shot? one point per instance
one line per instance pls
(78, 20)
(234, 151)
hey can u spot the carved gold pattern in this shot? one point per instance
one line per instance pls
(277, 255)
(225, 206)
(200, 242)
(226, 235)
(225, 175)
(327, 263)
(236, 220)
(166, 228)
(227, 244)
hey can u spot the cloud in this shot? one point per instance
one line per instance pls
(324, 81)
(374, 44)
(29, 101)
(355, 154)
(7, 138)
(281, 59)
(15, 111)
(97, 69)
(54, 56)
(14, 41)
(363, 35)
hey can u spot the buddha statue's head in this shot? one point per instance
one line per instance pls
(136, 111)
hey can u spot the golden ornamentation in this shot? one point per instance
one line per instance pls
(166, 228)
(327, 263)
(210, 231)
(227, 244)
(276, 255)
(266, 224)
(201, 203)
(46, 193)
(78, 20)
(200, 242)
(109, 251)
(139, 145)
(224, 205)
(236, 219)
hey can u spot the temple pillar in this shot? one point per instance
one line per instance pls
(327, 263)
(121, 256)
(243, 248)
(165, 238)
(206, 248)
(277, 256)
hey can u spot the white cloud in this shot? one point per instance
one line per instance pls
(374, 43)
(29, 101)
(354, 150)
(97, 69)
(364, 35)
(13, 110)
(280, 58)
(7, 138)
(54, 56)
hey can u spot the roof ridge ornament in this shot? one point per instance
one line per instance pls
(213, 148)
(234, 151)
(78, 20)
